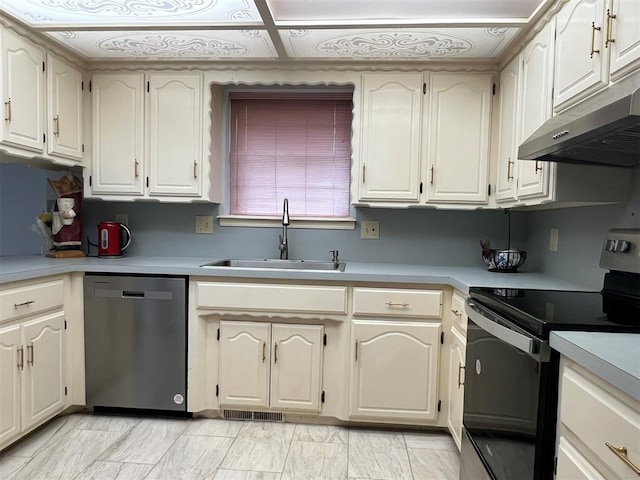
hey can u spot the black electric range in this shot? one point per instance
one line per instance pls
(511, 373)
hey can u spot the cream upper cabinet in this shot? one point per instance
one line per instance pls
(64, 109)
(581, 62)
(263, 365)
(623, 28)
(118, 151)
(43, 381)
(394, 369)
(296, 366)
(392, 131)
(23, 79)
(175, 134)
(509, 91)
(10, 399)
(458, 144)
(535, 109)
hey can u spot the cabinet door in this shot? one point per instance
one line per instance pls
(43, 378)
(392, 131)
(175, 134)
(459, 118)
(394, 369)
(535, 103)
(10, 342)
(507, 131)
(244, 364)
(456, 385)
(22, 92)
(118, 166)
(64, 122)
(296, 368)
(579, 32)
(624, 33)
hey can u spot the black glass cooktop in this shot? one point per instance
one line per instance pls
(540, 311)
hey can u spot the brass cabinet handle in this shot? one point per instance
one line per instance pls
(275, 353)
(23, 304)
(593, 38)
(456, 313)
(195, 169)
(397, 304)
(264, 351)
(356, 350)
(56, 131)
(609, 39)
(621, 453)
(460, 368)
(30, 354)
(7, 105)
(509, 175)
(431, 181)
(538, 169)
(21, 358)
(135, 167)
(364, 167)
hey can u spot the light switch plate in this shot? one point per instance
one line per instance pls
(122, 218)
(370, 229)
(204, 224)
(553, 240)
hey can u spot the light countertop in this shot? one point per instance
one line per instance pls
(14, 268)
(615, 357)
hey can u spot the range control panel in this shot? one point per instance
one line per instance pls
(621, 250)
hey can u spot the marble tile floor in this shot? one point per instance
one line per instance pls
(108, 447)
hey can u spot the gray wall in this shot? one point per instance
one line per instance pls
(581, 234)
(422, 236)
(409, 236)
(23, 196)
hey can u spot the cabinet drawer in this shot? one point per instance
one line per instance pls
(272, 298)
(30, 299)
(596, 416)
(458, 313)
(389, 302)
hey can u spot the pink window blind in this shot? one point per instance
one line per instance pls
(295, 146)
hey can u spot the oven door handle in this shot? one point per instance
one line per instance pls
(513, 338)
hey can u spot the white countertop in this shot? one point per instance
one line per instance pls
(13, 268)
(615, 357)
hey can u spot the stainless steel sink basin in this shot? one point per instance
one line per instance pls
(276, 264)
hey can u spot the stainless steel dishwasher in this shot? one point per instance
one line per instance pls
(136, 341)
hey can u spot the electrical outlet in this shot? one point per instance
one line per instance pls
(122, 218)
(370, 230)
(204, 224)
(553, 240)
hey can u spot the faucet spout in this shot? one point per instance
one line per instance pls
(284, 242)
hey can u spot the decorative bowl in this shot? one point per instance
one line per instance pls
(507, 261)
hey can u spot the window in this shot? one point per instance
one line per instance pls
(290, 145)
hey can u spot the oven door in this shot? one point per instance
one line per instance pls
(507, 399)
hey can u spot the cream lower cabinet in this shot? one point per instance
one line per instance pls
(394, 369)
(263, 365)
(456, 384)
(31, 374)
(591, 414)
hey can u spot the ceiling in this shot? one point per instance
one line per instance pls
(281, 30)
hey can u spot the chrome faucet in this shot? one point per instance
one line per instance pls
(284, 243)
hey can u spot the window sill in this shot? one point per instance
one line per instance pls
(300, 222)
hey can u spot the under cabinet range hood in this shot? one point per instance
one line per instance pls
(604, 129)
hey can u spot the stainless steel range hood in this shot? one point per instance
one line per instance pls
(604, 129)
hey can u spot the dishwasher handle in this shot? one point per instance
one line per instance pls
(132, 294)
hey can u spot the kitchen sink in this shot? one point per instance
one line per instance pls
(277, 264)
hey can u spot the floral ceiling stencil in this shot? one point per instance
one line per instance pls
(123, 12)
(391, 44)
(178, 45)
(398, 44)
